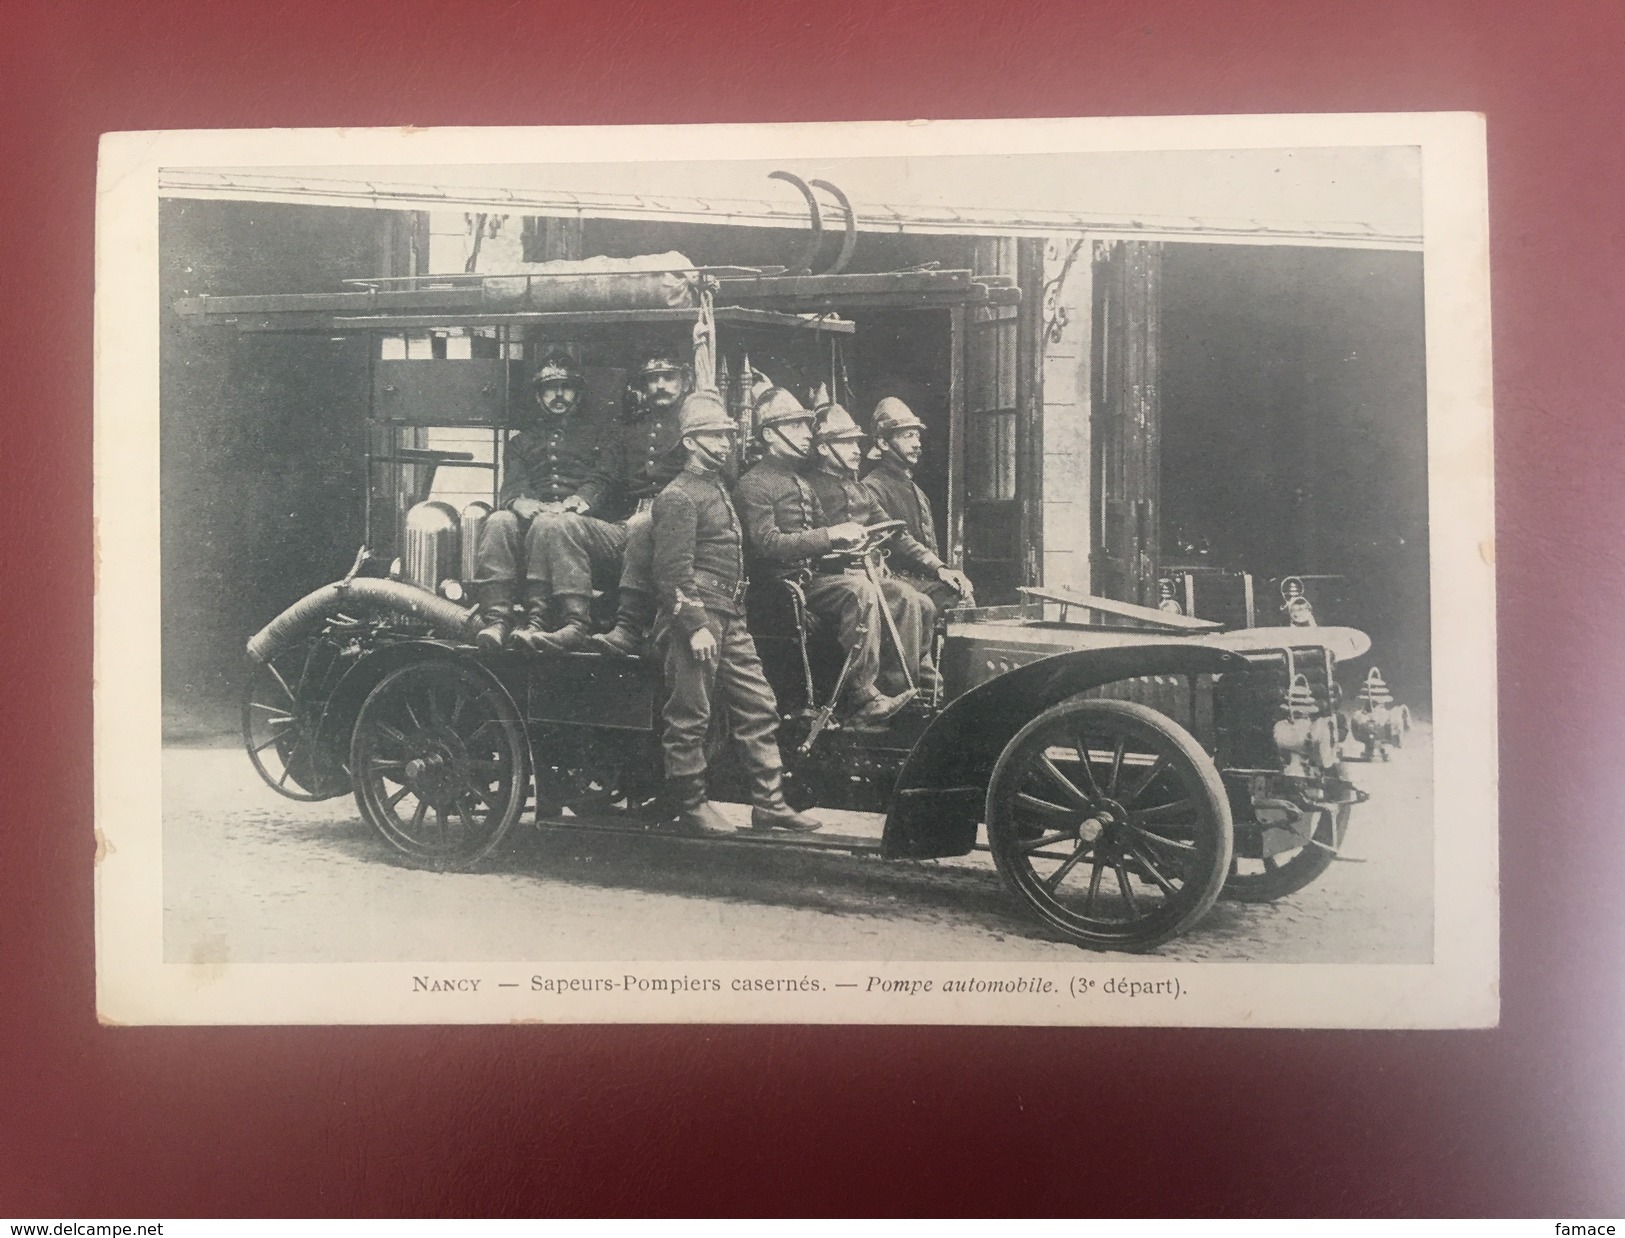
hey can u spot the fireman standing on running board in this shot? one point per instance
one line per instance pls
(700, 633)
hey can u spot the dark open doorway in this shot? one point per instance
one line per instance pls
(1294, 432)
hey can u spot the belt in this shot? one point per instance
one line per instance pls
(720, 585)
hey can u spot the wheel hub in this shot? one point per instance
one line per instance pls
(436, 769)
(1106, 822)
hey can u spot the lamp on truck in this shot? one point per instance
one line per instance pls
(1305, 740)
(431, 544)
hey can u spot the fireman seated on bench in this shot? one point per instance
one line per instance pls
(545, 467)
(898, 443)
(786, 533)
(608, 537)
(842, 497)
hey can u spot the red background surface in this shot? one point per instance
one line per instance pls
(1527, 1119)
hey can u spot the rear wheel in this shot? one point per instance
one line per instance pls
(441, 763)
(1111, 823)
(282, 704)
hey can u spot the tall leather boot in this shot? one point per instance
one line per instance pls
(770, 812)
(534, 623)
(695, 814)
(576, 611)
(496, 613)
(634, 616)
(877, 709)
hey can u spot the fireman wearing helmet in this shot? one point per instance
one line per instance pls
(786, 533)
(545, 467)
(897, 445)
(710, 659)
(839, 444)
(609, 538)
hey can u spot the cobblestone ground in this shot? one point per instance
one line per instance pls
(252, 877)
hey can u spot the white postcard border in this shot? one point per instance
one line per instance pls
(1459, 988)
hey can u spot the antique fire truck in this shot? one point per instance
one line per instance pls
(1125, 766)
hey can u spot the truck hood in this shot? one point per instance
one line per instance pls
(1345, 644)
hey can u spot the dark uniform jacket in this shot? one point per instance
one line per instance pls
(551, 459)
(699, 560)
(784, 525)
(894, 489)
(639, 456)
(843, 498)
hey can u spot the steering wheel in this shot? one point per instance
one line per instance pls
(877, 534)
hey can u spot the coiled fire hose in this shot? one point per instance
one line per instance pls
(387, 597)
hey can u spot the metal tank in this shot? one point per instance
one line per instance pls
(431, 544)
(473, 524)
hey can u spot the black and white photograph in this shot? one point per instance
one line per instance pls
(974, 572)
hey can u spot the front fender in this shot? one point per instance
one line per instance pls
(339, 713)
(939, 795)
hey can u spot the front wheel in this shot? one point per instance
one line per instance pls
(441, 763)
(1111, 823)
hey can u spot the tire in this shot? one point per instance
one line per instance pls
(1264, 881)
(281, 712)
(1125, 794)
(442, 739)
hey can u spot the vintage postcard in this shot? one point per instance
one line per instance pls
(1031, 572)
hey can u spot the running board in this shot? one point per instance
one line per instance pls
(857, 844)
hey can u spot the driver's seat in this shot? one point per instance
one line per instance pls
(799, 652)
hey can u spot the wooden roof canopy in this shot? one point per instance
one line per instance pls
(743, 297)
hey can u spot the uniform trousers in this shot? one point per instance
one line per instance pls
(943, 595)
(637, 554)
(915, 617)
(511, 550)
(730, 684)
(582, 551)
(638, 566)
(847, 602)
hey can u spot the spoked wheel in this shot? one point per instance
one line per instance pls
(441, 765)
(282, 707)
(1110, 821)
(1259, 878)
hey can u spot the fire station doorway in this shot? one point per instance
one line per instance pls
(1261, 411)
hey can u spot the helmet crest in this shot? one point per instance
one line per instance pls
(558, 368)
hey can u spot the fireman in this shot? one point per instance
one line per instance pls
(609, 539)
(545, 467)
(710, 658)
(786, 534)
(842, 497)
(897, 446)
